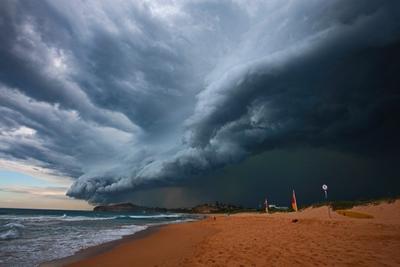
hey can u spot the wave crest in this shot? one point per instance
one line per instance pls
(10, 234)
(14, 225)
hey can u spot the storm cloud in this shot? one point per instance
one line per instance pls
(123, 96)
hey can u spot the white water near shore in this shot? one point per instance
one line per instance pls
(35, 237)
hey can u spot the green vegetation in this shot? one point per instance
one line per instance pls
(219, 207)
(347, 204)
(354, 214)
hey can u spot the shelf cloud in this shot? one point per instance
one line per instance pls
(128, 95)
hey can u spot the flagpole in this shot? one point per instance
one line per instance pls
(294, 201)
(325, 188)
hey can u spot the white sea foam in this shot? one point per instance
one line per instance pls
(54, 218)
(34, 239)
(73, 243)
(114, 234)
(14, 225)
(85, 218)
(10, 234)
(171, 222)
(158, 216)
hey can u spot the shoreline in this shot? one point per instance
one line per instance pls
(166, 246)
(95, 250)
(306, 238)
(101, 248)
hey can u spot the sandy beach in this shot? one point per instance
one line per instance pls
(266, 240)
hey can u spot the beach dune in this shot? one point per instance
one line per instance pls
(267, 240)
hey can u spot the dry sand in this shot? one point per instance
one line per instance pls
(267, 240)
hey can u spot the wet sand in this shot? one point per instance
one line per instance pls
(99, 249)
(266, 240)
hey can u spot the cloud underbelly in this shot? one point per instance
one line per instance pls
(325, 90)
(142, 95)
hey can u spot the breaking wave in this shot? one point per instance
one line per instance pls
(10, 234)
(82, 218)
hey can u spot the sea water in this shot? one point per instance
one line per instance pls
(29, 237)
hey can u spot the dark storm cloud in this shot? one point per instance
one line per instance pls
(136, 95)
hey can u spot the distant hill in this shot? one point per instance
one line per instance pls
(218, 207)
(202, 209)
(127, 207)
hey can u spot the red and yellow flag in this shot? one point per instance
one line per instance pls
(294, 202)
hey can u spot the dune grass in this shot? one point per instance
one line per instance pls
(345, 205)
(354, 214)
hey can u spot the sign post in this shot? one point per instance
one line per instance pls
(325, 188)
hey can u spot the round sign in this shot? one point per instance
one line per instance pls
(325, 187)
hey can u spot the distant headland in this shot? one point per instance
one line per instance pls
(206, 208)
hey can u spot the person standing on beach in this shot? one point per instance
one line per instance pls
(266, 206)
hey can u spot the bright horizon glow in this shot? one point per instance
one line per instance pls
(20, 190)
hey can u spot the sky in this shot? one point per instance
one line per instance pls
(174, 103)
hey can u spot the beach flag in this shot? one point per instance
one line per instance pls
(294, 202)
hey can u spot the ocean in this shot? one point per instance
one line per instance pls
(29, 237)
